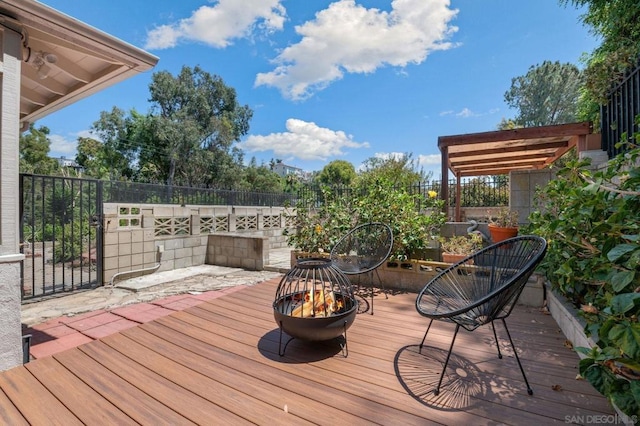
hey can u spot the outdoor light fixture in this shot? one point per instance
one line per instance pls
(40, 60)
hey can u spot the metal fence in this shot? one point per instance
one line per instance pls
(60, 234)
(487, 191)
(146, 193)
(619, 114)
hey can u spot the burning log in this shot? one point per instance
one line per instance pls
(316, 304)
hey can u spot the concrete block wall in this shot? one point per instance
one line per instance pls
(523, 189)
(238, 251)
(129, 240)
(139, 236)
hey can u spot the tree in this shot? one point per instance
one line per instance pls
(34, 152)
(196, 119)
(91, 158)
(508, 124)
(337, 172)
(116, 154)
(617, 23)
(397, 170)
(548, 94)
(261, 178)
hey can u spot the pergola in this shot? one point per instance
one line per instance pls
(503, 151)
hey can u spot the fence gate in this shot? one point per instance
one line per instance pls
(61, 234)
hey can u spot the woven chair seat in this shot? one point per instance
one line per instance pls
(482, 288)
(362, 250)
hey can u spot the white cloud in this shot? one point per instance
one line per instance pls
(62, 147)
(347, 37)
(429, 160)
(303, 140)
(466, 113)
(389, 155)
(218, 25)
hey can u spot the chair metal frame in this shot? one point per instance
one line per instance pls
(354, 254)
(482, 288)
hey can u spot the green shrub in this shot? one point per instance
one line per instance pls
(320, 226)
(71, 240)
(591, 221)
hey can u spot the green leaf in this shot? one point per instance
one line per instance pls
(625, 401)
(595, 374)
(620, 250)
(583, 350)
(621, 279)
(622, 303)
(627, 337)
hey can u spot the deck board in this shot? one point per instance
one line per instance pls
(218, 362)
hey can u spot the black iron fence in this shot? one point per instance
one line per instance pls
(619, 114)
(146, 193)
(488, 191)
(61, 219)
(60, 234)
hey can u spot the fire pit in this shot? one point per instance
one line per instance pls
(314, 301)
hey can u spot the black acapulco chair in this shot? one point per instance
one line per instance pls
(482, 288)
(362, 250)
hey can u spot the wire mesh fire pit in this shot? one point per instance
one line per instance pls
(314, 302)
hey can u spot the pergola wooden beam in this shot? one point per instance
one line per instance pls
(525, 133)
(503, 151)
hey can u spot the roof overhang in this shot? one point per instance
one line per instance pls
(503, 151)
(82, 60)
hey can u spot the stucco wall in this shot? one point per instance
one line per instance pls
(10, 327)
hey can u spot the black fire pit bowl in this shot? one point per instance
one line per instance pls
(321, 278)
(313, 328)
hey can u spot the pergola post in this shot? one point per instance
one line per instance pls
(458, 196)
(444, 177)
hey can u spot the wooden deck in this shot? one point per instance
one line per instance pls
(218, 363)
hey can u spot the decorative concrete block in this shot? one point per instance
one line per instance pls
(136, 261)
(111, 251)
(137, 248)
(173, 244)
(192, 242)
(111, 238)
(124, 237)
(124, 249)
(137, 235)
(163, 211)
(149, 258)
(124, 262)
(183, 253)
(110, 263)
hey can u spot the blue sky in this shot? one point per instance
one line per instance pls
(339, 79)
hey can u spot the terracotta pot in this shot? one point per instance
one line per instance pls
(499, 233)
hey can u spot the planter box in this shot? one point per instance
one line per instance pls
(412, 276)
(566, 316)
(572, 327)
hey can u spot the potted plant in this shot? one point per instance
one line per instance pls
(503, 225)
(456, 248)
